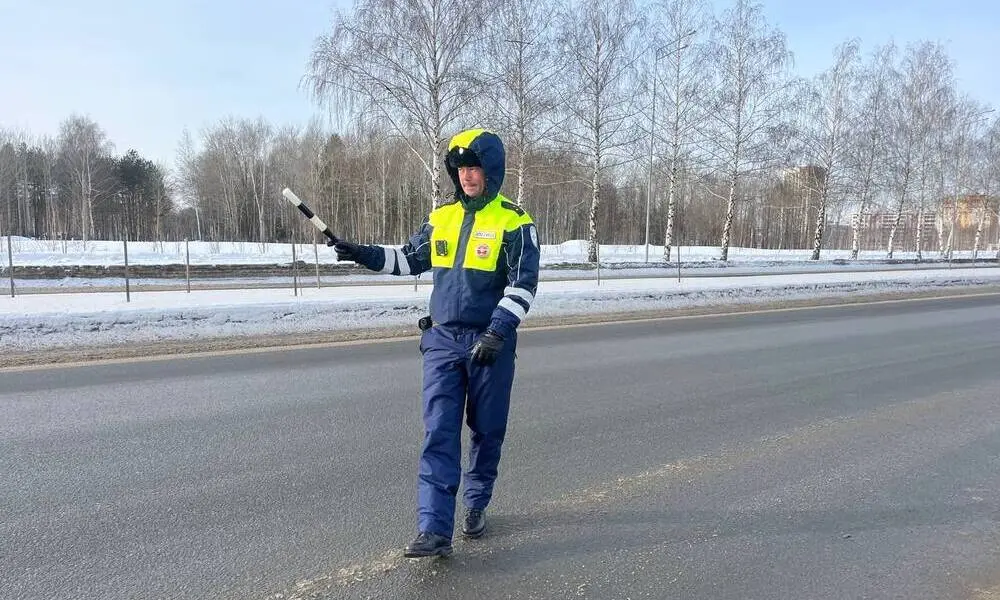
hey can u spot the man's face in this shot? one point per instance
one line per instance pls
(473, 181)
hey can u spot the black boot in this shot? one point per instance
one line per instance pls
(428, 544)
(475, 523)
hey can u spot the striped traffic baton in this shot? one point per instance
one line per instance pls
(291, 197)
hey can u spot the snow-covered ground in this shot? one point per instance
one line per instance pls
(30, 252)
(31, 322)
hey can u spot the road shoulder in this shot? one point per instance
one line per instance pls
(258, 343)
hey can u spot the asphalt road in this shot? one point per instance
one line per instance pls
(829, 453)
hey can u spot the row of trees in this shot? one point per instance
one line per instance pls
(623, 122)
(74, 186)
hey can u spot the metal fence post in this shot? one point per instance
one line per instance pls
(10, 264)
(295, 272)
(128, 294)
(319, 284)
(678, 263)
(598, 244)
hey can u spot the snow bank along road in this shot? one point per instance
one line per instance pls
(79, 326)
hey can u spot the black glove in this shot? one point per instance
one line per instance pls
(345, 250)
(487, 348)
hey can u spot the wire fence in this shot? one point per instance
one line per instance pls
(38, 266)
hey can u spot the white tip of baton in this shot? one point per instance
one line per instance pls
(291, 197)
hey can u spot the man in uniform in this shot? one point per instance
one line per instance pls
(484, 252)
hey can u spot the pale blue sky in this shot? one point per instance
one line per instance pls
(146, 71)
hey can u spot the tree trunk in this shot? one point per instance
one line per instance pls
(436, 197)
(671, 210)
(261, 194)
(949, 247)
(980, 220)
(856, 235)
(401, 214)
(595, 203)
(257, 202)
(804, 228)
(86, 213)
(672, 182)
(384, 197)
(899, 209)
(520, 178)
(919, 234)
(730, 214)
(939, 225)
(865, 195)
(895, 224)
(821, 219)
(998, 236)
(437, 128)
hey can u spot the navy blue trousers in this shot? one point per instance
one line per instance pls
(454, 386)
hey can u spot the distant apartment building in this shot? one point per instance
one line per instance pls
(807, 178)
(962, 213)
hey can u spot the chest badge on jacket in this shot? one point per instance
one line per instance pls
(482, 250)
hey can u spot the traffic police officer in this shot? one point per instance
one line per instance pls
(484, 252)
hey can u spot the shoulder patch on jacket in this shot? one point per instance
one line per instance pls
(513, 207)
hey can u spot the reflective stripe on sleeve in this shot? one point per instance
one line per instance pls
(513, 307)
(404, 265)
(521, 293)
(390, 260)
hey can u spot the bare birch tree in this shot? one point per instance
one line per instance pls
(747, 100)
(254, 145)
(8, 177)
(519, 67)
(827, 131)
(686, 66)
(965, 126)
(54, 218)
(941, 164)
(83, 145)
(185, 179)
(600, 38)
(993, 178)
(405, 64)
(867, 152)
(987, 181)
(924, 83)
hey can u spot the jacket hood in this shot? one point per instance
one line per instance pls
(488, 150)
